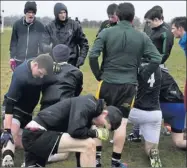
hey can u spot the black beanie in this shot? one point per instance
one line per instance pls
(115, 117)
(30, 6)
(58, 7)
(61, 53)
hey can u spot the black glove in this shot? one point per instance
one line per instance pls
(5, 137)
(80, 61)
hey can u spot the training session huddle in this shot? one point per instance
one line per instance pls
(135, 88)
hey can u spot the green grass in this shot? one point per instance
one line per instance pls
(133, 153)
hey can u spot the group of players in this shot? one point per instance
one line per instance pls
(134, 86)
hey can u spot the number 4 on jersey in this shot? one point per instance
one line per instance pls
(151, 80)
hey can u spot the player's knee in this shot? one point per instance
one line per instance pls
(91, 145)
(178, 143)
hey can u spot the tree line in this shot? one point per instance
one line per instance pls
(9, 21)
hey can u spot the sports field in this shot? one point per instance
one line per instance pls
(133, 153)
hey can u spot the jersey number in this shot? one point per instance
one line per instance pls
(151, 80)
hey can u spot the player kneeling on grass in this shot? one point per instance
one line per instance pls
(147, 114)
(66, 127)
(21, 99)
(65, 84)
(173, 110)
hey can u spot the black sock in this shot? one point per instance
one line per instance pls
(77, 154)
(98, 156)
(136, 130)
(116, 157)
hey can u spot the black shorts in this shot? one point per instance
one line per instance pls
(38, 146)
(119, 95)
(24, 118)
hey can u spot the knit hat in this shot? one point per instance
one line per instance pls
(30, 6)
(115, 116)
(61, 53)
(59, 7)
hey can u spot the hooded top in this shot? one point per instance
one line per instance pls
(59, 7)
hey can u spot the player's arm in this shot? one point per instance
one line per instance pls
(168, 39)
(12, 97)
(82, 41)
(78, 80)
(152, 54)
(13, 41)
(78, 124)
(95, 52)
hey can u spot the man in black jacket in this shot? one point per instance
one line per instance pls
(66, 83)
(26, 35)
(64, 30)
(66, 127)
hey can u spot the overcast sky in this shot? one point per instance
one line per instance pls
(95, 10)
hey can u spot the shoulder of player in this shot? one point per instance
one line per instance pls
(20, 75)
(74, 71)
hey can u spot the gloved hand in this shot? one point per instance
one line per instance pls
(56, 68)
(102, 134)
(12, 64)
(5, 137)
(80, 62)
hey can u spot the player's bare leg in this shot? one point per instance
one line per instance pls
(58, 157)
(16, 133)
(178, 139)
(118, 141)
(86, 147)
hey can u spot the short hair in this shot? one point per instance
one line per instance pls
(114, 116)
(152, 14)
(180, 22)
(157, 7)
(125, 11)
(45, 61)
(146, 14)
(112, 8)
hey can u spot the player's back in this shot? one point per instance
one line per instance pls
(148, 93)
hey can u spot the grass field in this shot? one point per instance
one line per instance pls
(133, 153)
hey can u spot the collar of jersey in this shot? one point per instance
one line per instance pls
(125, 23)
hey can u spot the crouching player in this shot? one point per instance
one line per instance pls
(66, 127)
(147, 114)
(21, 99)
(66, 83)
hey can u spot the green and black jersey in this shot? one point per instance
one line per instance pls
(163, 39)
(105, 24)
